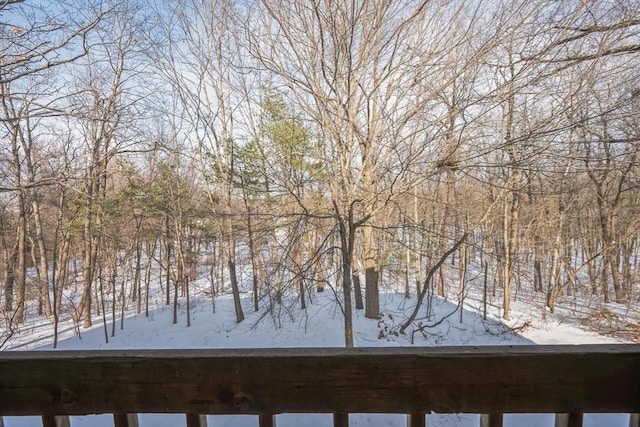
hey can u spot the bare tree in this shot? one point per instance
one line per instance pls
(33, 43)
(105, 101)
(35, 40)
(197, 53)
(359, 70)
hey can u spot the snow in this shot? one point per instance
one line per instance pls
(320, 325)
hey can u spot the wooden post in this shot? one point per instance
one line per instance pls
(484, 291)
(53, 421)
(491, 420)
(125, 420)
(634, 420)
(340, 419)
(416, 420)
(568, 420)
(196, 420)
(267, 420)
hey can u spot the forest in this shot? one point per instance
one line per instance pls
(319, 145)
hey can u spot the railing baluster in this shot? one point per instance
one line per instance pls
(341, 419)
(125, 420)
(55, 421)
(634, 420)
(267, 420)
(196, 420)
(568, 420)
(416, 420)
(491, 420)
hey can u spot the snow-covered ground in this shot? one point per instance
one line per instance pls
(321, 325)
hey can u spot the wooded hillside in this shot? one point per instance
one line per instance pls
(320, 144)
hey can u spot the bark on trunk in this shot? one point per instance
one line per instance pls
(371, 288)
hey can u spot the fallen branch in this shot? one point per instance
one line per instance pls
(427, 280)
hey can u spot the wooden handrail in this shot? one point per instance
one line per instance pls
(486, 380)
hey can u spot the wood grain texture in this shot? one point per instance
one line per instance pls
(196, 420)
(569, 420)
(54, 421)
(491, 420)
(125, 420)
(340, 419)
(551, 379)
(266, 420)
(416, 420)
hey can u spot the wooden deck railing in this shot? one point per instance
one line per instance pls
(569, 380)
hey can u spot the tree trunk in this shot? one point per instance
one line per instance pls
(346, 233)
(604, 280)
(112, 284)
(43, 268)
(181, 270)
(346, 240)
(151, 249)
(297, 257)
(319, 275)
(444, 228)
(11, 258)
(610, 247)
(254, 260)
(137, 277)
(417, 244)
(63, 262)
(168, 247)
(21, 269)
(462, 278)
(537, 274)
(123, 291)
(19, 266)
(371, 273)
(104, 308)
(231, 264)
(87, 259)
(357, 289)
(407, 263)
(510, 229)
(17, 276)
